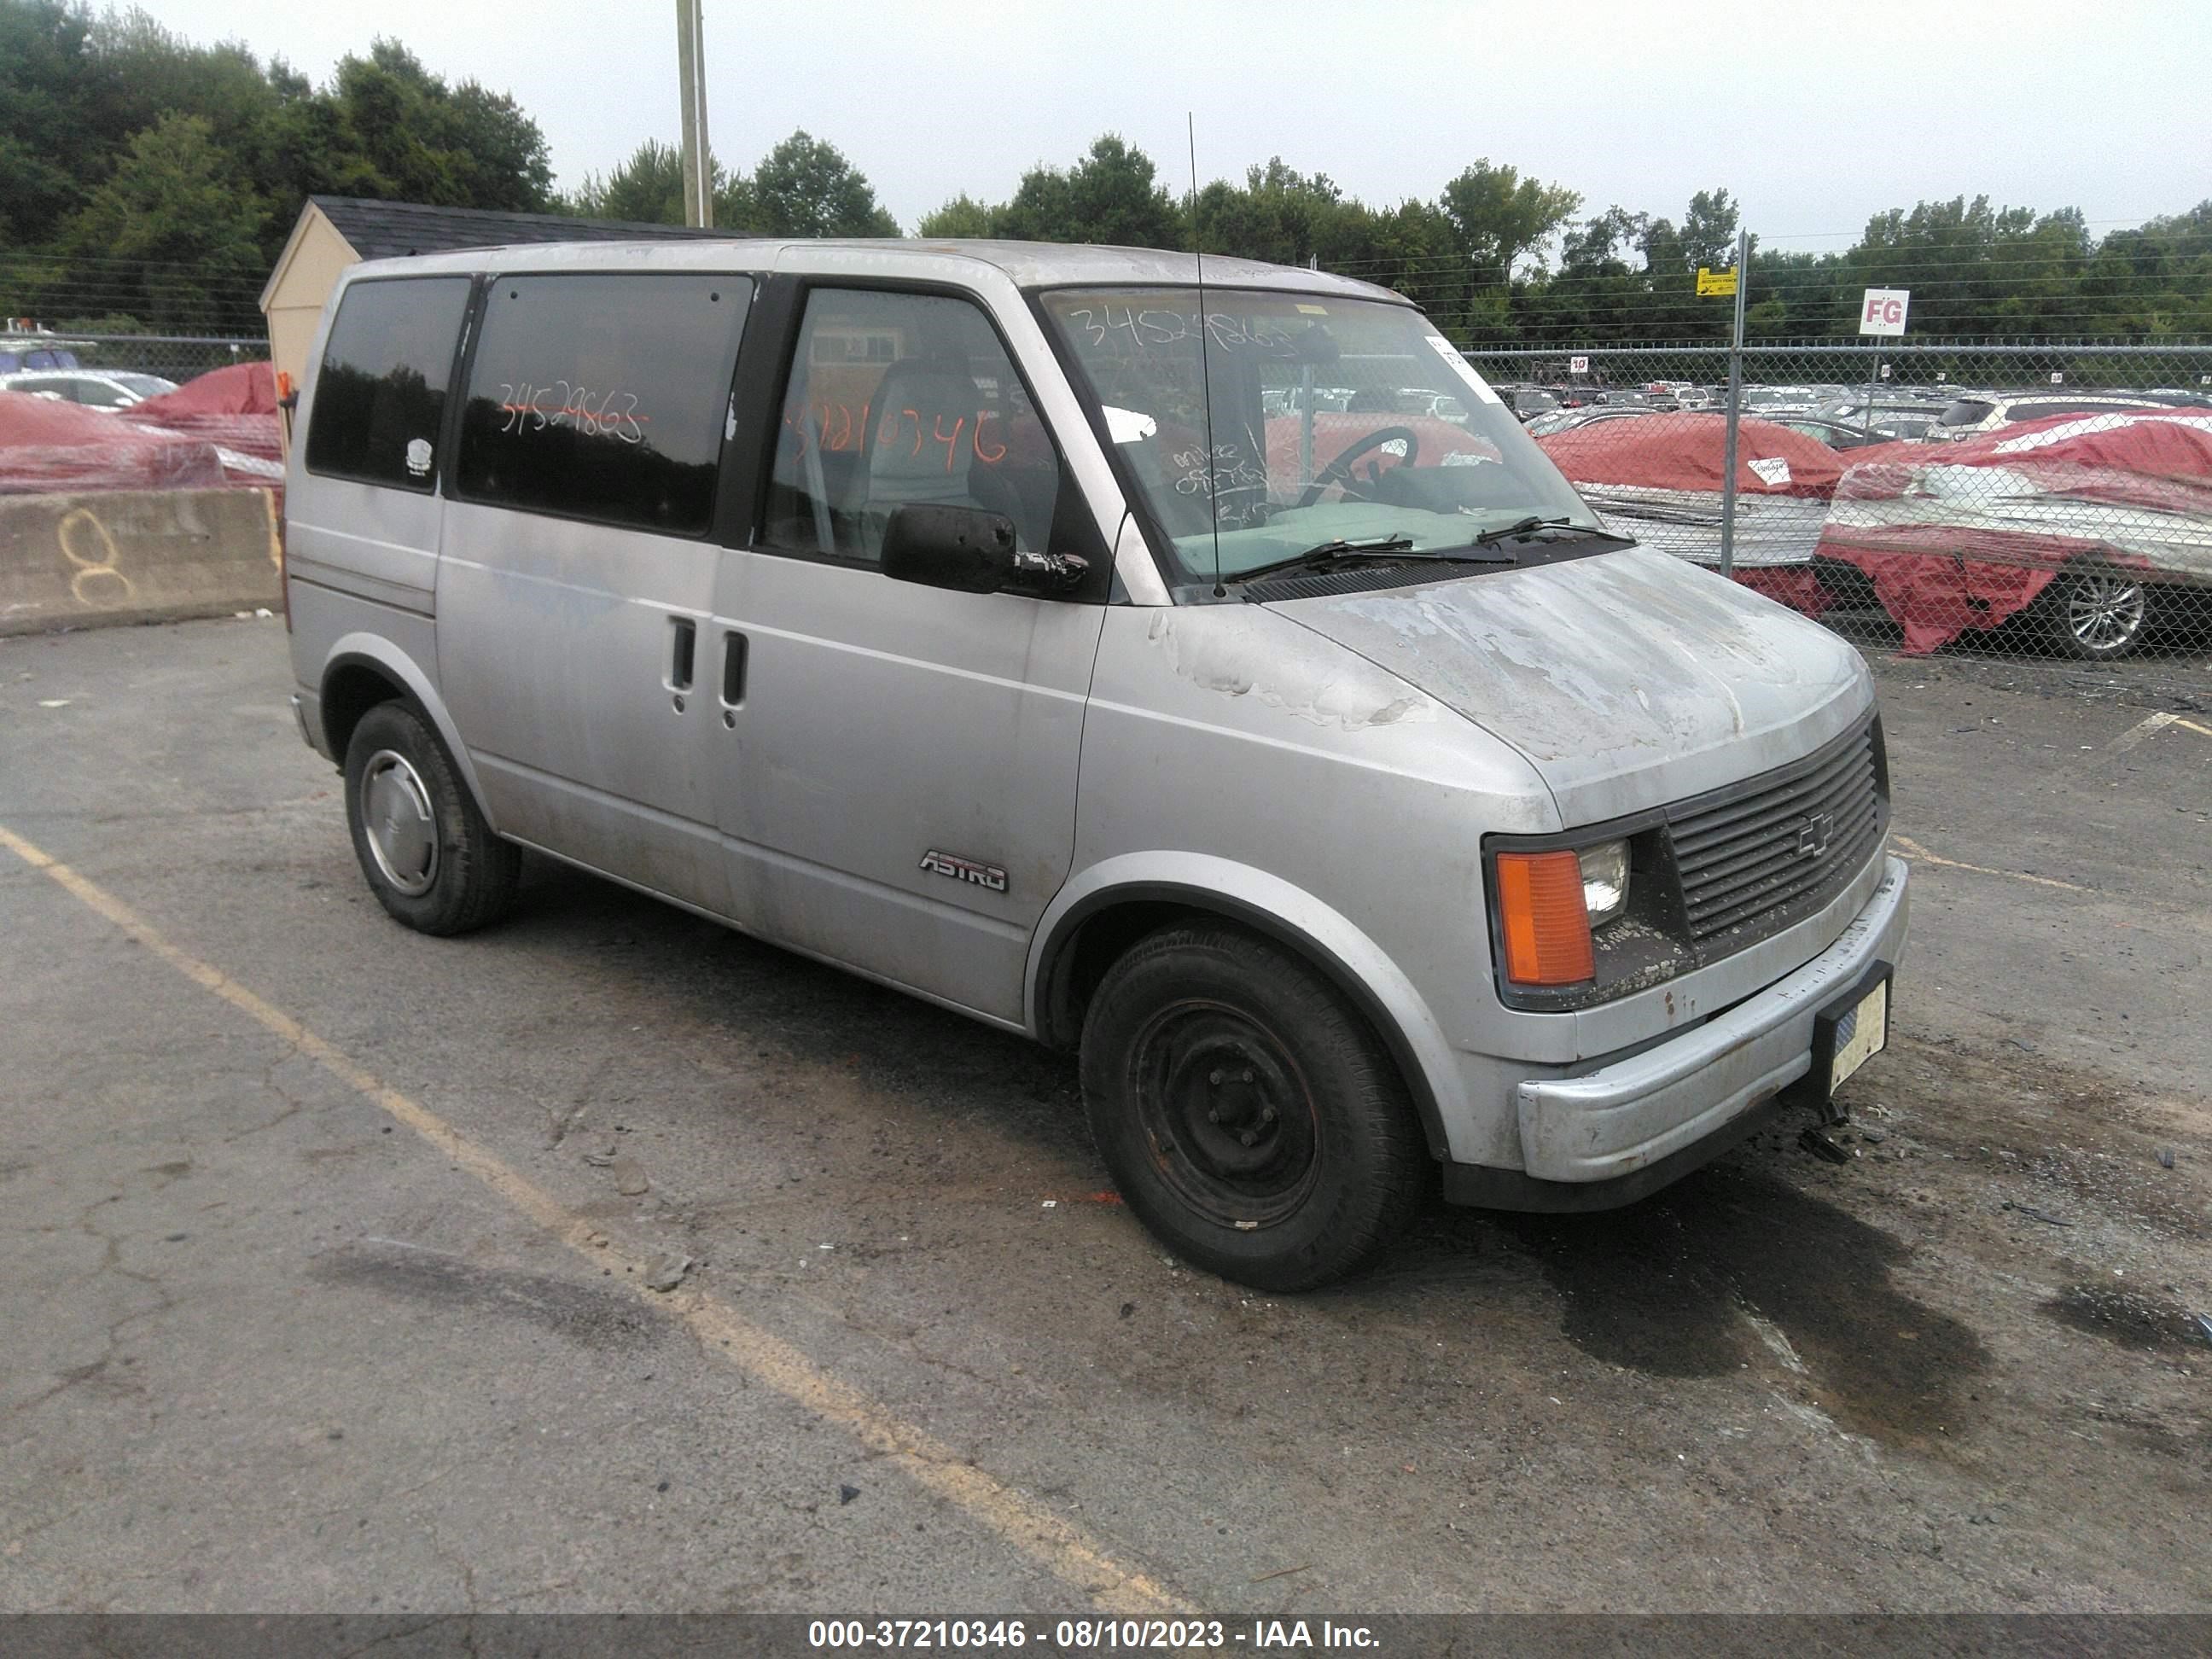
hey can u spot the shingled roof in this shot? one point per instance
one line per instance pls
(384, 230)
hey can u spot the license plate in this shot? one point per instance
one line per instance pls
(1861, 1032)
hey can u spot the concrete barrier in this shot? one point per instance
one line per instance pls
(92, 560)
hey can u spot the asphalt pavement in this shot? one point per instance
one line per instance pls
(326, 1242)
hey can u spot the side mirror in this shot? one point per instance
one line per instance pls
(963, 548)
(969, 550)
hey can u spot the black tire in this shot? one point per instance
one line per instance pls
(1205, 1018)
(2096, 615)
(429, 858)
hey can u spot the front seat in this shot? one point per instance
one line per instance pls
(923, 442)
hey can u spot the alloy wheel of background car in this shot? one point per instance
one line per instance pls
(2100, 614)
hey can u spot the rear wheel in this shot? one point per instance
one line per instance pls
(431, 860)
(1249, 1118)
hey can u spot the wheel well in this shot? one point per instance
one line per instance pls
(350, 692)
(1100, 941)
(1081, 963)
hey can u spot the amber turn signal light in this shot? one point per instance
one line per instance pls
(1545, 928)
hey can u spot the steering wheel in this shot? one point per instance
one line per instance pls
(1338, 471)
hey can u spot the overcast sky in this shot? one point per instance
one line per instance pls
(1814, 115)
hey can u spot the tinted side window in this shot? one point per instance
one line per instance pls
(100, 395)
(603, 396)
(381, 392)
(901, 399)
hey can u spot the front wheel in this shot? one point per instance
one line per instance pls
(1249, 1118)
(2096, 615)
(430, 858)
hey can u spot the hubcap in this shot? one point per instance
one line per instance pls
(1227, 1115)
(2104, 612)
(403, 829)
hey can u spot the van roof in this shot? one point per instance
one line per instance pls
(1027, 264)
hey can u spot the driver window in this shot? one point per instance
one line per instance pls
(896, 399)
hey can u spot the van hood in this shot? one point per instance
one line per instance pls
(1627, 679)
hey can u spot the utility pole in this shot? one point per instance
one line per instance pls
(697, 159)
(1735, 406)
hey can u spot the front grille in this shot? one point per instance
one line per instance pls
(1757, 856)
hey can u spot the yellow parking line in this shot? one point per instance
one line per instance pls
(1066, 1552)
(2191, 725)
(1919, 855)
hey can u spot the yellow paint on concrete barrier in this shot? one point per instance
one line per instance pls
(135, 556)
(1034, 1531)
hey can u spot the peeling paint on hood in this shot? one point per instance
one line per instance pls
(1309, 680)
(1628, 680)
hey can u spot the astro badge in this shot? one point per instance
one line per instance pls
(418, 457)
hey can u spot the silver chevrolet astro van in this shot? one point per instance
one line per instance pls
(1212, 680)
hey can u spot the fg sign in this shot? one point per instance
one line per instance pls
(1883, 312)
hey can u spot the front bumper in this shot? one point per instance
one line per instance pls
(1658, 1105)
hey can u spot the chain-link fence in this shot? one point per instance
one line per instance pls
(1975, 498)
(173, 357)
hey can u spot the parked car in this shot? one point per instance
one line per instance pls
(1978, 414)
(1359, 808)
(1859, 434)
(1526, 401)
(1436, 406)
(2089, 531)
(1899, 419)
(96, 388)
(1566, 420)
(20, 351)
(1770, 403)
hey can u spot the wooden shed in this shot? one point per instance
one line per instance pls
(334, 232)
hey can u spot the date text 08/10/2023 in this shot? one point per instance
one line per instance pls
(1088, 1635)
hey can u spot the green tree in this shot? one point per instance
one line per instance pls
(804, 187)
(173, 231)
(1112, 196)
(1498, 217)
(962, 216)
(1709, 231)
(646, 189)
(423, 140)
(51, 142)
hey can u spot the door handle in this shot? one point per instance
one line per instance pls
(682, 652)
(733, 675)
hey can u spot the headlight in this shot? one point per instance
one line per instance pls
(1605, 880)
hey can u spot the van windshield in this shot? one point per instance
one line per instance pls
(1332, 420)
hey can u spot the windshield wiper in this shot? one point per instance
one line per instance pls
(1390, 549)
(1529, 525)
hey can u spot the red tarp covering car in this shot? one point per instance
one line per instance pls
(1658, 477)
(1966, 535)
(48, 447)
(235, 408)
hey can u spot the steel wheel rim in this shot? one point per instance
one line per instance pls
(2104, 612)
(401, 824)
(1228, 1119)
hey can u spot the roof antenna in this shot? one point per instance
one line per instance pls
(1205, 368)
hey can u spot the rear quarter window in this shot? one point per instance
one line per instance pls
(603, 397)
(381, 395)
(1968, 411)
